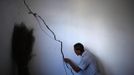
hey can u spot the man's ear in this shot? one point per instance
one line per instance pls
(31, 31)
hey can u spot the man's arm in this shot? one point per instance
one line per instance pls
(72, 64)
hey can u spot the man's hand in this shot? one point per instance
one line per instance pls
(73, 65)
(67, 60)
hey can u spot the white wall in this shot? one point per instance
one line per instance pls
(104, 26)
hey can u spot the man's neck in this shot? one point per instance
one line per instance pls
(82, 52)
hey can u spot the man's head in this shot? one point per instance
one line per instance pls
(78, 48)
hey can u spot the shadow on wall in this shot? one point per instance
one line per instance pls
(99, 64)
(22, 44)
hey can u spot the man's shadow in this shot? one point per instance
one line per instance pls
(99, 64)
(22, 44)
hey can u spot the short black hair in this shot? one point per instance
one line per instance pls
(79, 46)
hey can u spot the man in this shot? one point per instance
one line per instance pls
(87, 65)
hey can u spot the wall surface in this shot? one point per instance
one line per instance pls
(105, 27)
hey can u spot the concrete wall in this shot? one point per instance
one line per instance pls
(103, 26)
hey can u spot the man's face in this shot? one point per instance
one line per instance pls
(77, 51)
